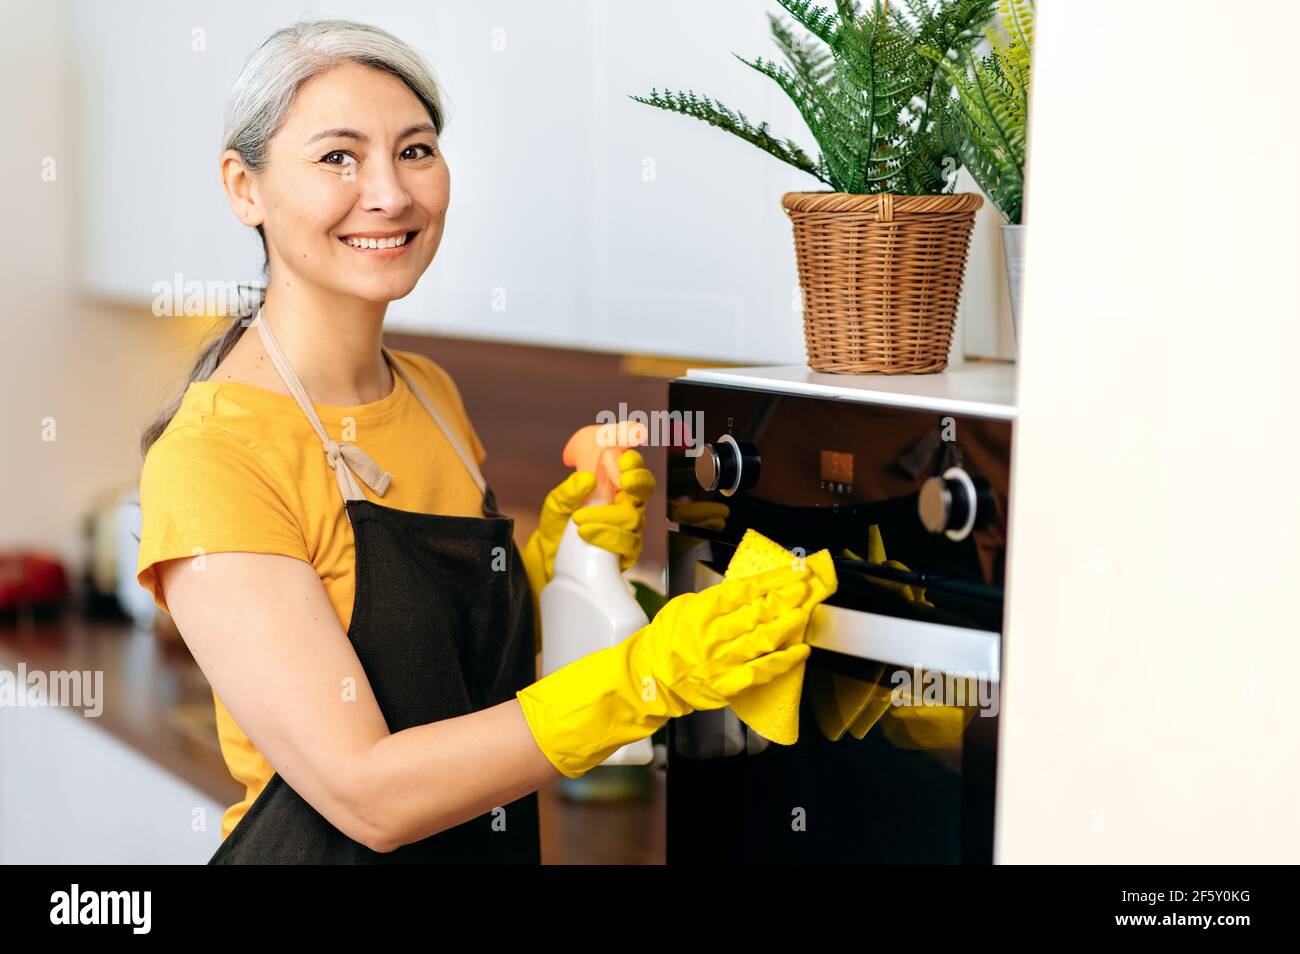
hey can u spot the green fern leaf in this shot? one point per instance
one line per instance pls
(868, 92)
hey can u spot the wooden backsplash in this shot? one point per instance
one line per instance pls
(526, 401)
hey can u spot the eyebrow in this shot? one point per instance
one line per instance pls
(343, 132)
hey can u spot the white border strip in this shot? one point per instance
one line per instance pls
(991, 389)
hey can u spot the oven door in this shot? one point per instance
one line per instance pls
(896, 756)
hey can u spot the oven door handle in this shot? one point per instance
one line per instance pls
(910, 643)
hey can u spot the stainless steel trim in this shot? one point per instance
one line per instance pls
(740, 464)
(708, 457)
(972, 503)
(934, 504)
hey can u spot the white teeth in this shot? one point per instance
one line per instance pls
(393, 242)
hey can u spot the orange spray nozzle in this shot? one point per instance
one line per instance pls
(597, 448)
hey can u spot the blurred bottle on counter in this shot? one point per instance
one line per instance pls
(111, 547)
(134, 599)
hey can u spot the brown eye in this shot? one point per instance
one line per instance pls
(339, 158)
(419, 151)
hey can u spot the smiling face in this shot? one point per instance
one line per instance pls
(354, 192)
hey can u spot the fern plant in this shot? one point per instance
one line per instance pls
(986, 125)
(867, 89)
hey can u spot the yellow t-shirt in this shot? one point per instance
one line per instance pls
(240, 468)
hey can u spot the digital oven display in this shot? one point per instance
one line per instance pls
(837, 467)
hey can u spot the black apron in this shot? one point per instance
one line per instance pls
(442, 622)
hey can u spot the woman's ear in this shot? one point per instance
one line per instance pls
(237, 180)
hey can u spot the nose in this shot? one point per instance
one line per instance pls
(381, 188)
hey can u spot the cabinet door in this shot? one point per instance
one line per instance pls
(71, 793)
(580, 217)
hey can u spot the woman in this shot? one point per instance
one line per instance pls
(373, 665)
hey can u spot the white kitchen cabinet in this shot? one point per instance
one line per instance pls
(72, 793)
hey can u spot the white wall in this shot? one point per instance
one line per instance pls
(598, 222)
(1152, 640)
(95, 371)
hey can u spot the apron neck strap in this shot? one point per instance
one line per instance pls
(448, 432)
(349, 461)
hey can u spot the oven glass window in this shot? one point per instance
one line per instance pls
(869, 781)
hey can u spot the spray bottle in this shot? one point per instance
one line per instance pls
(588, 605)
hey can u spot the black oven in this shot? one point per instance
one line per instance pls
(897, 751)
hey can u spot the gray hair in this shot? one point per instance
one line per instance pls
(259, 103)
(266, 89)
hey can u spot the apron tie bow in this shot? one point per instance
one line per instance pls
(350, 462)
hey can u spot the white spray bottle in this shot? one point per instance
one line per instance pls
(588, 605)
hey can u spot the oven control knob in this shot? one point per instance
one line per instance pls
(948, 504)
(727, 466)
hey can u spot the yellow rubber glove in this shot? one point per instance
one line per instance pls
(710, 514)
(620, 526)
(699, 651)
(876, 554)
(538, 553)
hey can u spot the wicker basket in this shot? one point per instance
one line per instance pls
(881, 276)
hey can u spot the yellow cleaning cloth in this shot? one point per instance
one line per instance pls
(843, 703)
(772, 709)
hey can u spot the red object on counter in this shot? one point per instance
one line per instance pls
(28, 579)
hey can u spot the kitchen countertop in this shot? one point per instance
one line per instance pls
(156, 700)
